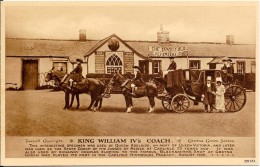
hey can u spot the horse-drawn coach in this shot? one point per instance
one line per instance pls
(183, 86)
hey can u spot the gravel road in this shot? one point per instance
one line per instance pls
(40, 113)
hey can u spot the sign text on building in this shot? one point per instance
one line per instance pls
(156, 51)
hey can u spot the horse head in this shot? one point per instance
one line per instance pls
(49, 76)
(54, 75)
(117, 78)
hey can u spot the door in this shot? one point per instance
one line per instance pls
(30, 74)
(144, 65)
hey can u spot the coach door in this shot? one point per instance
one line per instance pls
(30, 74)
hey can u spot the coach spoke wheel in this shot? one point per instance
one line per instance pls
(180, 103)
(166, 103)
(235, 98)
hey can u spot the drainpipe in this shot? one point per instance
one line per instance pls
(87, 65)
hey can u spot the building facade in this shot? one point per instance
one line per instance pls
(28, 60)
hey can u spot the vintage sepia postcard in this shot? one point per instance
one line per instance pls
(129, 83)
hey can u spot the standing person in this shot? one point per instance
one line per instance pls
(138, 80)
(208, 95)
(220, 99)
(228, 69)
(173, 65)
(76, 72)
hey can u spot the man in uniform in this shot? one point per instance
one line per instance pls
(76, 72)
(138, 80)
(208, 95)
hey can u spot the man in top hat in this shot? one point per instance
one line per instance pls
(220, 99)
(138, 80)
(76, 72)
(208, 96)
(173, 65)
(228, 68)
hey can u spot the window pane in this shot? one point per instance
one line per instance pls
(253, 67)
(156, 67)
(194, 64)
(62, 66)
(114, 63)
(241, 67)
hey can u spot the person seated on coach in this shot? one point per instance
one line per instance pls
(138, 80)
(76, 73)
(228, 69)
(173, 65)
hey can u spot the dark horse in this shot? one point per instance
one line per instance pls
(90, 85)
(149, 90)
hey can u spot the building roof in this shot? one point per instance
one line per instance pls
(200, 49)
(48, 48)
(78, 49)
(103, 41)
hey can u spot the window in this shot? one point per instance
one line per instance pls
(60, 66)
(113, 64)
(252, 66)
(194, 64)
(156, 66)
(241, 67)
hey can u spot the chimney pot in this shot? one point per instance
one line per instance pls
(163, 36)
(82, 35)
(230, 39)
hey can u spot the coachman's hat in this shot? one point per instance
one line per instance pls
(79, 60)
(137, 67)
(208, 78)
(227, 59)
(218, 79)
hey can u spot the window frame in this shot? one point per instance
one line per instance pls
(253, 64)
(244, 67)
(193, 61)
(110, 69)
(62, 62)
(159, 66)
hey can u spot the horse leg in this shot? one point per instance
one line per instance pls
(128, 104)
(100, 103)
(91, 103)
(72, 100)
(78, 104)
(152, 104)
(131, 102)
(66, 100)
(95, 105)
(99, 100)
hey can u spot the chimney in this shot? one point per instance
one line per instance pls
(163, 36)
(230, 39)
(161, 27)
(82, 35)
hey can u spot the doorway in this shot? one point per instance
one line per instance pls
(30, 74)
(144, 65)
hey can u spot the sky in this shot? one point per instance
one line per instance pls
(133, 21)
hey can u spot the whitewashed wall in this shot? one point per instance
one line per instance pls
(13, 72)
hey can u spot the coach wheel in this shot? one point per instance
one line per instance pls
(180, 103)
(166, 103)
(235, 98)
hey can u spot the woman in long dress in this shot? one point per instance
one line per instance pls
(220, 99)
